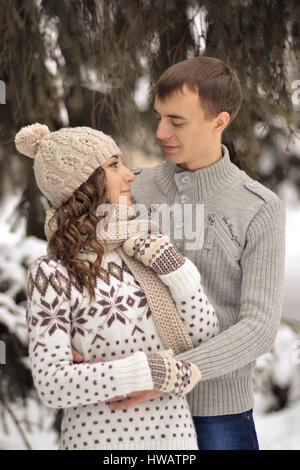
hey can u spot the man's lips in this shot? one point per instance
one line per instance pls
(169, 148)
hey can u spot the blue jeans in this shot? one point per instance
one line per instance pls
(227, 432)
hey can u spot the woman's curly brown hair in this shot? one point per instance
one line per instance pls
(76, 222)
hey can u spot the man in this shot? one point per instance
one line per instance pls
(241, 259)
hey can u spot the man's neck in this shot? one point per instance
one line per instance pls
(204, 159)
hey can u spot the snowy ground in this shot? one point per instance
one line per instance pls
(279, 430)
(36, 423)
(291, 306)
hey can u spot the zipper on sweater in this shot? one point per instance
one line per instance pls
(216, 227)
(210, 231)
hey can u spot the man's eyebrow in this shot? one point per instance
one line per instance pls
(174, 116)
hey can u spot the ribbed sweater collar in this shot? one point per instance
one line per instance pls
(204, 183)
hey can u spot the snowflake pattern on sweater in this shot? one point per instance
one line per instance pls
(116, 328)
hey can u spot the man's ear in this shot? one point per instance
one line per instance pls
(221, 122)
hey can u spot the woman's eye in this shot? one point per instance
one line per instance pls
(114, 164)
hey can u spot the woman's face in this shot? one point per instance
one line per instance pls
(119, 179)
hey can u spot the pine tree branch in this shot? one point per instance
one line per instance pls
(17, 423)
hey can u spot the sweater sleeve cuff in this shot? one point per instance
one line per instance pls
(133, 373)
(184, 281)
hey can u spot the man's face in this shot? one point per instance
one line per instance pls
(183, 129)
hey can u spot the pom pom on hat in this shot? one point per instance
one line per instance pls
(28, 138)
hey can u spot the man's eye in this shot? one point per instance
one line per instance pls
(176, 124)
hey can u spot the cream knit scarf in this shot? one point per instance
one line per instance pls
(122, 224)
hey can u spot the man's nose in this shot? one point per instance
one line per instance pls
(163, 131)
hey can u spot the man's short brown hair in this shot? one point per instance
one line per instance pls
(218, 87)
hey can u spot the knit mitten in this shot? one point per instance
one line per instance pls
(170, 375)
(155, 251)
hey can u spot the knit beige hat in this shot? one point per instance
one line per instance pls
(64, 159)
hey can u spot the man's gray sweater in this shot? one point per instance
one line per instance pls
(241, 262)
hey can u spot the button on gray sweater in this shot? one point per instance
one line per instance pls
(241, 260)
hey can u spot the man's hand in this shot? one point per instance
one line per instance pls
(133, 399)
(77, 357)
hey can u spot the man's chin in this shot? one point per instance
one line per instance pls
(174, 157)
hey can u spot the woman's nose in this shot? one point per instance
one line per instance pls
(130, 176)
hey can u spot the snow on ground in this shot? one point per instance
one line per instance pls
(291, 306)
(279, 430)
(36, 423)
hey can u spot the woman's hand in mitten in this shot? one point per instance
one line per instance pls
(154, 250)
(171, 375)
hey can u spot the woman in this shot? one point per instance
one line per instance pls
(105, 290)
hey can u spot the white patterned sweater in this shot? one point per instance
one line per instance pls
(117, 328)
